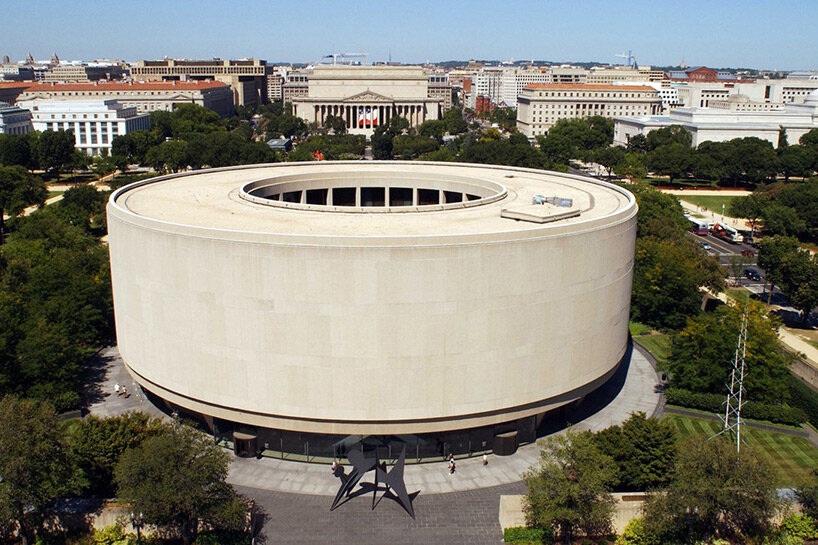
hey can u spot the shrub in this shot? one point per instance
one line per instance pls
(714, 403)
(802, 397)
(800, 526)
(636, 534)
(526, 534)
(109, 535)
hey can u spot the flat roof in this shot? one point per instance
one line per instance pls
(211, 200)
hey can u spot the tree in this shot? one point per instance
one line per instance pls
(799, 281)
(808, 496)
(631, 166)
(714, 492)
(608, 157)
(34, 465)
(569, 490)
(82, 206)
(18, 189)
(177, 481)
(674, 160)
(703, 353)
(336, 124)
(795, 161)
(56, 150)
(750, 208)
(782, 220)
(809, 139)
(98, 443)
(638, 143)
(433, 128)
(557, 148)
(171, 155)
(16, 150)
(674, 134)
(412, 146)
(644, 450)
(454, 122)
(772, 253)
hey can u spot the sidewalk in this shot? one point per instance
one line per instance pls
(633, 388)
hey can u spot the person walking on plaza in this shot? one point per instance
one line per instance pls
(485, 460)
(116, 388)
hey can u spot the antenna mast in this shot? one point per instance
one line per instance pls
(735, 398)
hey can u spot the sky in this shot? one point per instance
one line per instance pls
(723, 33)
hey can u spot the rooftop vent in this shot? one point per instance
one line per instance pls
(562, 202)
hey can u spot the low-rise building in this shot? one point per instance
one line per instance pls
(733, 119)
(14, 120)
(246, 77)
(10, 90)
(95, 123)
(144, 96)
(541, 105)
(83, 73)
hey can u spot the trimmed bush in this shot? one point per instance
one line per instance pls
(800, 526)
(525, 534)
(802, 397)
(636, 534)
(714, 403)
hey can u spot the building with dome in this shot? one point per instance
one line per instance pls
(303, 310)
(723, 120)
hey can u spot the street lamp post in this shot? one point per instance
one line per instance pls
(137, 523)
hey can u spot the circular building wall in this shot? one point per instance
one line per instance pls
(371, 297)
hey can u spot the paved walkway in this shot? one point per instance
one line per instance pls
(470, 517)
(632, 389)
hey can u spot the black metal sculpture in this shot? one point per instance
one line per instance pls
(393, 479)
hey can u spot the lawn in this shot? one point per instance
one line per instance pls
(738, 294)
(659, 345)
(794, 458)
(637, 328)
(54, 193)
(711, 202)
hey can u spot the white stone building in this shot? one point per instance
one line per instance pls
(367, 96)
(14, 120)
(726, 122)
(540, 106)
(95, 123)
(144, 96)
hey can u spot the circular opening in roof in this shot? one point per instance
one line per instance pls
(368, 192)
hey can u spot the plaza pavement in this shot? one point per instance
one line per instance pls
(633, 388)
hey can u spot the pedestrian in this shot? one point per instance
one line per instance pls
(485, 460)
(451, 457)
(125, 391)
(334, 466)
(451, 467)
(116, 389)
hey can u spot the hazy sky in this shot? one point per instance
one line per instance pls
(772, 35)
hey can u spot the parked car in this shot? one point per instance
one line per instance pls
(752, 274)
(748, 253)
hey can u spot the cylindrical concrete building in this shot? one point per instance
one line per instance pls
(307, 308)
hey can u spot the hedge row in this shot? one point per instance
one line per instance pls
(714, 403)
(802, 397)
(526, 535)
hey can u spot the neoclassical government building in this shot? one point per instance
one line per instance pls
(368, 96)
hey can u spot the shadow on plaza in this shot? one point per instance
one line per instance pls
(94, 377)
(600, 398)
(370, 488)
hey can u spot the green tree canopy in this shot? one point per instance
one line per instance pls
(569, 491)
(34, 465)
(772, 253)
(98, 443)
(608, 157)
(714, 492)
(18, 189)
(674, 160)
(56, 149)
(799, 281)
(703, 353)
(454, 122)
(177, 481)
(644, 450)
(674, 134)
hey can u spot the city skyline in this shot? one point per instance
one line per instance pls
(726, 34)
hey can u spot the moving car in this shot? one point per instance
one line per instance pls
(752, 274)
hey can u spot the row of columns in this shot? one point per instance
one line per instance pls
(356, 115)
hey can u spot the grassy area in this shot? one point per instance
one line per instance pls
(794, 458)
(711, 202)
(738, 294)
(54, 193)
(637, 328)
(659, 345)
